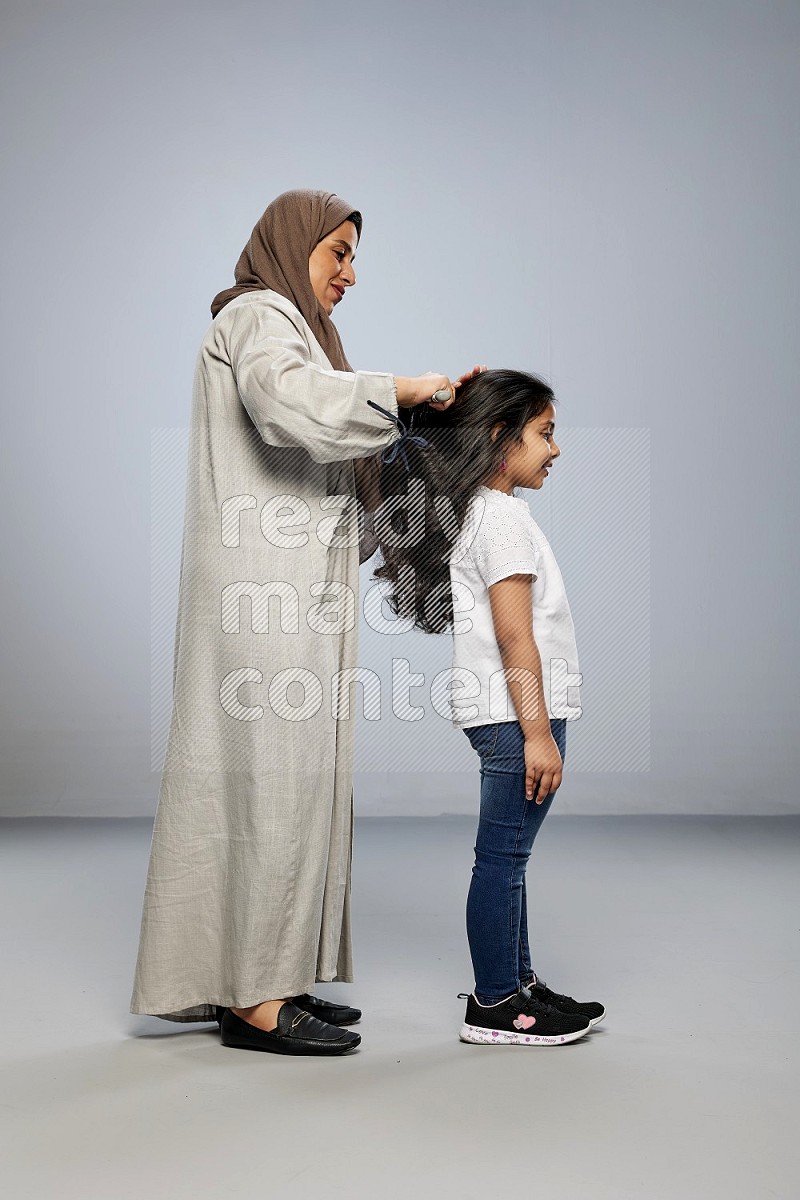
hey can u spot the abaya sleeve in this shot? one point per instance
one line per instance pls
(293, 401)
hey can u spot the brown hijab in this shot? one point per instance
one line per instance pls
(276, 256)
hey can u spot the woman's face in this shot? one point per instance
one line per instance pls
(330, 266)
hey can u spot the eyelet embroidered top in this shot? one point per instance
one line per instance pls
(499, 538)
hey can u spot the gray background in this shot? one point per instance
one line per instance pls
(604, 193)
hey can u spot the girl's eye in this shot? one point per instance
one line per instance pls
(547, 434)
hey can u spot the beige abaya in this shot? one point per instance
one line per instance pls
(248, 886)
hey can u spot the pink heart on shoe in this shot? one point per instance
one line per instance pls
(524, 1022)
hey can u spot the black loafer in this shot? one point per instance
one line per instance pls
(324, 1010)
(334, 1014)
(297, 1033)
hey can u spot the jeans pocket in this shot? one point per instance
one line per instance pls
(483, 739)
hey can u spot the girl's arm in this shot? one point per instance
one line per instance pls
(512, 610)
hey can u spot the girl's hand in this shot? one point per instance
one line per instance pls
(542, 764)
(463, 379)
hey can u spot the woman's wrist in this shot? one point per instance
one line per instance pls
(421, 388)
(406, 391)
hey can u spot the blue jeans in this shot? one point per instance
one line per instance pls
(497, 925)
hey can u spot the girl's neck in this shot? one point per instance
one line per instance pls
(500, 485)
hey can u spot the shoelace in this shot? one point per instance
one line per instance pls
(557, 998)
(540, 1007)
(533, 1006)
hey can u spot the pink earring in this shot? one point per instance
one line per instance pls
(503, 463)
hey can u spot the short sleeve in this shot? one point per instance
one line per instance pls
(503, 545)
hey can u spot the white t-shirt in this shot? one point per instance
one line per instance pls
(499, 538)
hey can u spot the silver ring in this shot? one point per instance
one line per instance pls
(440, 396)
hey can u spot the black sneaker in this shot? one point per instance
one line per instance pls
(593, 1010)
(521, 1020)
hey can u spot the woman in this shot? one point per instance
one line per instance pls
(247, 900)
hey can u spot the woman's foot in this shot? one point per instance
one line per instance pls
(296, 1032)
(326, 1010)
(263, 1016)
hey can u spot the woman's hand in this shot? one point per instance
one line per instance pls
(542, 763)
(421, 389)
(475, 371)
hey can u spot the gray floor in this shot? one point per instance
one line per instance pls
(685, 927)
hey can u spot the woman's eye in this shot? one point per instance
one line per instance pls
(339, 254)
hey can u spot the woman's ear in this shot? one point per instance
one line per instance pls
(495, 431)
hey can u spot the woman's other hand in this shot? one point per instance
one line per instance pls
(477, 370)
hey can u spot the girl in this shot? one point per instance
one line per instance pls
(461, 536)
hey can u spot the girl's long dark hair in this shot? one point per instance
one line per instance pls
(422, 510)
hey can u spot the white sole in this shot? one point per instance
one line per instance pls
(596, 1020)
(477, 1035)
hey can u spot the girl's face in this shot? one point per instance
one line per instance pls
(527, 464)
(330, 265)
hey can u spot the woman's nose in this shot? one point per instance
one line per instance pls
(348, 274)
